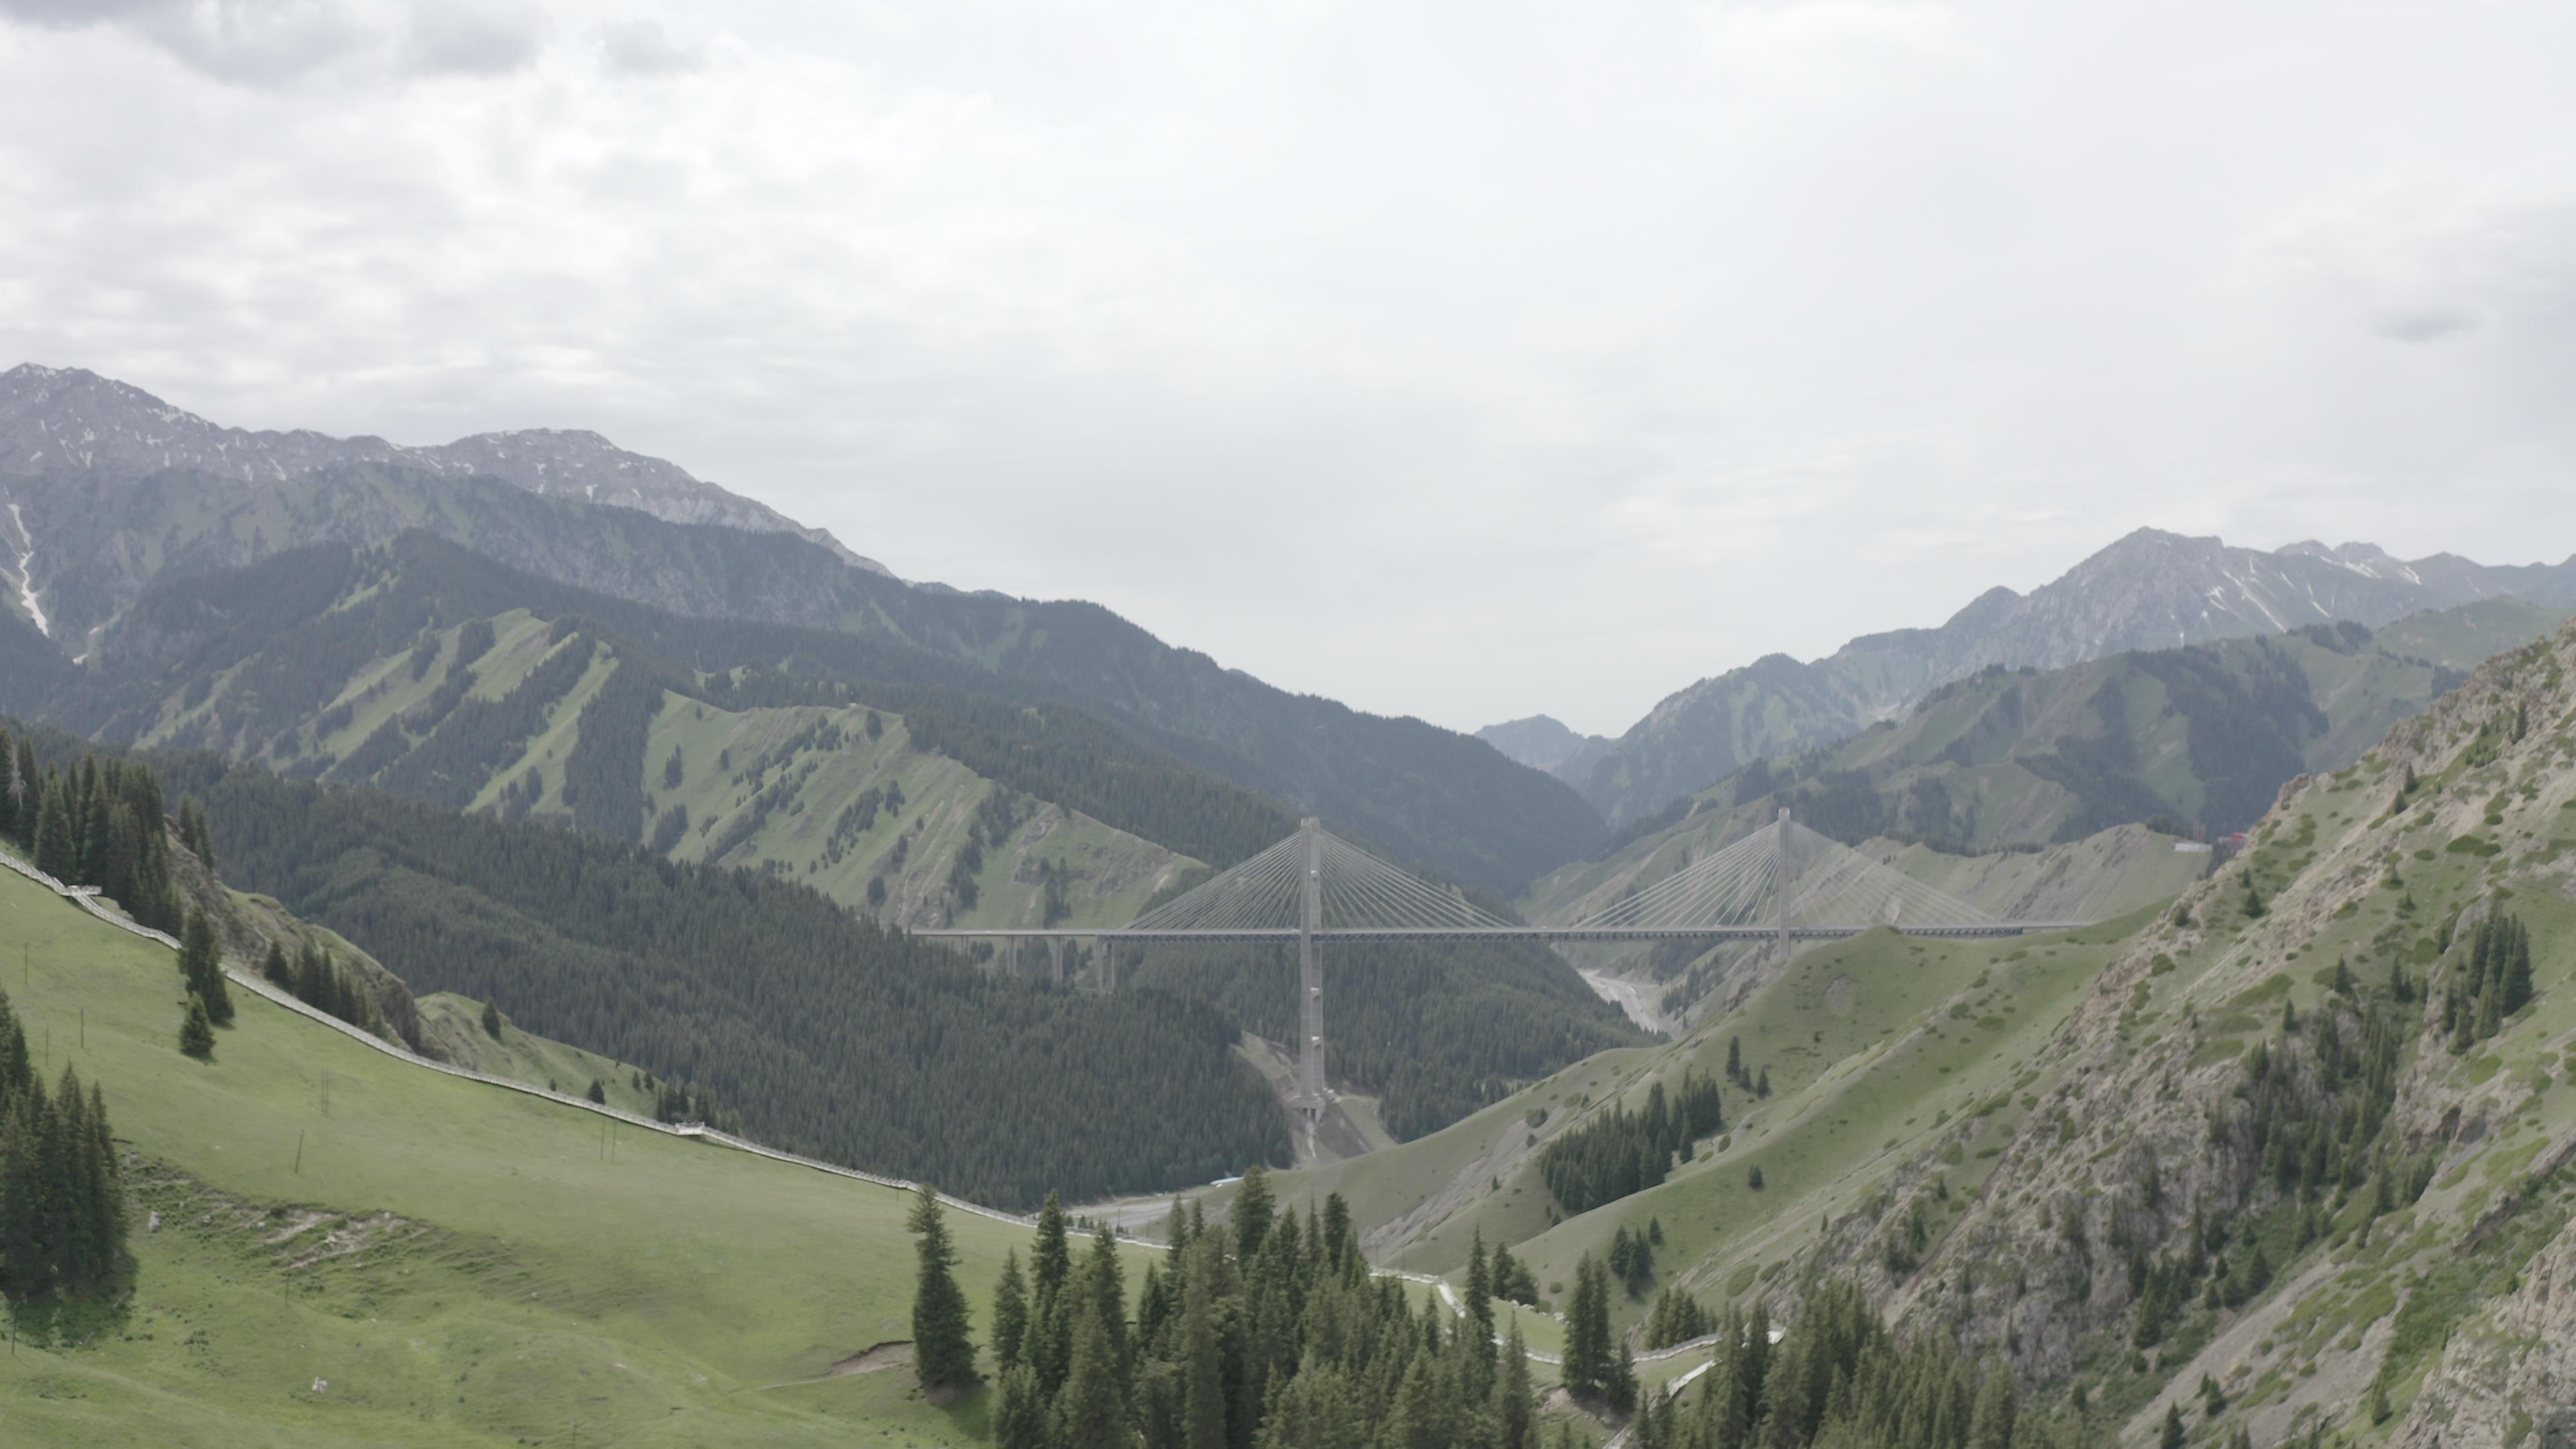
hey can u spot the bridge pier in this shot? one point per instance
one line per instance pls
(1780, 859)
(1310, 976)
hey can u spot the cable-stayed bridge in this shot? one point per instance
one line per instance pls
(1783, 882)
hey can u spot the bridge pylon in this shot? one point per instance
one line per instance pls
(1785, 874)
(1310, 973)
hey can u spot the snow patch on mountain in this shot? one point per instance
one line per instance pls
(27, 574)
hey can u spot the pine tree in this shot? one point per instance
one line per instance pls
(196, 1034)
(201, 967)
(273, 967)
(1090, 1412)
(1253, 1210)
(1514, 1425)
(1010, 1313)
(1021, 1418)
(1753, 1179)
(2173, 1436)
(1479, 1331)
(491, 1018)
(57, 850)
(1203, 1396)
(942, 1353)
(1990, 1424)
(1762, 1088)
(1587, 1331)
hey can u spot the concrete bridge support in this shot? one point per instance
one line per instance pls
(1310, 975)
(1787, 871)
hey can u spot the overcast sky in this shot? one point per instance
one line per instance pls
(1462, 360)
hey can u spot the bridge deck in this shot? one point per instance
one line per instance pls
(1505, 933)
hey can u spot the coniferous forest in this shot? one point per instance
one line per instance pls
(825, 1032)
(1619, 1152)
(1266, 1331)
(1437, 1030)
(62, 1206)
(95, 822)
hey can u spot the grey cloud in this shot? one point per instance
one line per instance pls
(643, 47)
(244, 42)
(458, 39)
(2424, 324)
(75, 14)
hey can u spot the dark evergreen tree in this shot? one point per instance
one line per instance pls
(1010, 1314)
(1021, 1417)
(1252, 1211)
(1587, 1331)
(196, 1033)
(942, 1352)
(201, 967)
(57, 847)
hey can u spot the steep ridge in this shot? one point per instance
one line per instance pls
(2149, 590)
(1439, 798)
(2199, 738)
(2190, 740)
(2287, 1159)
(70, 420)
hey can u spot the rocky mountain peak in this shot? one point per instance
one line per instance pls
(71, 419)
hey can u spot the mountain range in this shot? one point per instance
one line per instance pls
(2149, 590)
(112, 494)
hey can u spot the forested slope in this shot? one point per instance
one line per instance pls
(1436, 1031)
(824, 1031)
(2286, 1160)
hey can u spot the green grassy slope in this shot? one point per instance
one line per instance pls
(734, 763)
(451, 1029)
(2004, 1142)
(764, 787)
(496, 1279)
(1874, 1047)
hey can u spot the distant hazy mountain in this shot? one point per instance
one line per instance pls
(1540, 742)
(67, 419)
(2150, 590)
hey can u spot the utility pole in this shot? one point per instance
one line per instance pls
(1786, 873)
(1310, 975)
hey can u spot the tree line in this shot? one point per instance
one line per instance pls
(1266, 1332)
(1837, 1377)
(99, 822)
(1619, 1152)
(62, 1199)
(827, 1033)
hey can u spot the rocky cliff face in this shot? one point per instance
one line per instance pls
(2150, 590)
(2509, 1374)
(71, 421)
(2270, 1170)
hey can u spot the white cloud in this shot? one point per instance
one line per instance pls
(1585, 353)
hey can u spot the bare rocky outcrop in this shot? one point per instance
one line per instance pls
(2142, 1134)
(2509, 1374)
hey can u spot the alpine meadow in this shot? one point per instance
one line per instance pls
(1775, 724)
